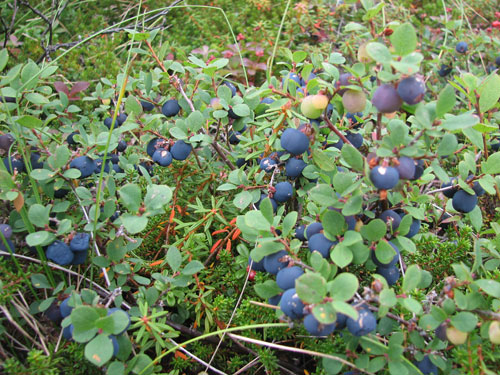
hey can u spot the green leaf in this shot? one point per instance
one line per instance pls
(157, 197)
(384, 252)
(174, 258)
(492, 165)
(323, 160)
(341, 255)
(325, 313)
(323, 194)
(62, 156)
(333, 224)
(42, 174)
(241, 110)
(343, 287)
(311, 287)
(489, 286)
(39, 215)
(374, 230)
(352, 157)
(412, 278)
(192, 267)
(388, 298)
(4, 57)
(116, 368)
(242, 199)
(195, 121)
(132, 105)
(353, 205)
(30, 122)
(131, 197)
(299, 56)
(288, 223)
(404, 39)
(446, 101)
(460, 122)
(464, 321)
(267, 289)
(99, 350)
(255, 219)
(72, 173)
(134, 224)
(84, 317)
(489, 92)
(266, 209)
(120, 320)
(448, 145)
(379, 52)
(40, 281)
(41, 238)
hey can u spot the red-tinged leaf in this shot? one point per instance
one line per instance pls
(215, 246)
(78, 87)
(228, 246)
(236, 233)
(61, 87)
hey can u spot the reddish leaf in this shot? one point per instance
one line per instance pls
(78, 87)
(61, 87)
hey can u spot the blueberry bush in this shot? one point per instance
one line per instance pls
(315, 190)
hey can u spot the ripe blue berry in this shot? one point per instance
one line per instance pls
(59, 253)
(463, 201)
(393, 261)
(313, 228)
(268, 164)
(365, 324)
(294, 141)
(406, 168)
(286, 277)
(411, 90)
(84, 164)
(391, 274)
(65, 308)
(461, 47)
(257, 266)
(391, 217)
(147, 106)
(272, 263)
(291, 305)
(386, 99)
(170, 108)
(384, 177)
(426, 366)
(294, 167)
(284, 191)
(16, 163)
(6, 230)
(315, 328)
(318, 242)
(162, 157)
(80, 242)
(300, 232)
(180, 150)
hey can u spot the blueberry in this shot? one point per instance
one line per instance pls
(411, 90)
(84, 164)
(108, 121)
(6, 230)
(356, 139)
(384, 177)
(391, 274)
(268, 164)
(122, 146)
(231, 87)
(391, 217)
(414, 228)
(170, 108)
(232, 114)
(426, 366)
(257, 266)
(53, 313)
(80, 257)
(461, 47)
(291, 305)
(180, 150)
(444, 70)
(59, 253)
(478, 189)
(365, 324)
(419, 169)
(440, 332)
(68, 332)
(60, 193)
(300, 232)
(393, 261)
(6, 140)
(284, 191)
(80, 242)
(162, 157)
(351, 222)
(315, 328)
(285, 278)
(152, 146)
(341, 321)
(114, 309)
(294, 141)
(353, 117)
(497, 61)
(275, 300)
(313, 228)
(273, 202)
(272, 263)
(9, 248)
(386, 99)
(463, 201)
(318, 242)
(116, 347)
(147, 106)
(121, 118)
(17, 164)
(70, 139)
(240, 162)
(65, 308)
(343, 81)
(294, 167)
(406, 168)
(35, 161)
(98, 166)
(267, 101)
(234, 138)
(7, 99)
(293, 77)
